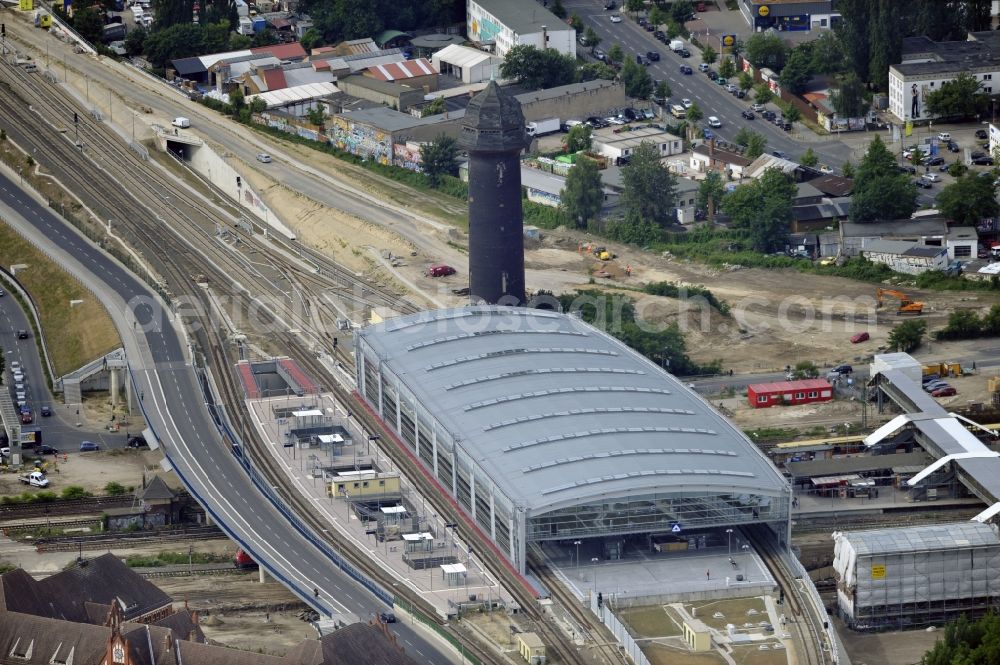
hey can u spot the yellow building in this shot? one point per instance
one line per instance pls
(697, 635)
(364, 485)
(531, 648)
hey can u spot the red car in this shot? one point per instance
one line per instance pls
(947, 391)
(859, 337)
(440, 270)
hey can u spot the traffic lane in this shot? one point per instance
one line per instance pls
(199, 446)
(185, 400)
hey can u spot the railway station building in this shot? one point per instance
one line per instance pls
(544, 428)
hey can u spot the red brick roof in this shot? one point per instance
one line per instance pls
(402, 70)
(274, 79)
(293, 51)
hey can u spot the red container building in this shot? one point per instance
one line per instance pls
(805, 391)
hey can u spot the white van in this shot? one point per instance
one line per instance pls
(183, 123)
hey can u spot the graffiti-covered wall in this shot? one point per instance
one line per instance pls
(362, 140)
(407, 155)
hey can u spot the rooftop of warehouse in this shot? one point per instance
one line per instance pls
(922, 538)
(557, 411)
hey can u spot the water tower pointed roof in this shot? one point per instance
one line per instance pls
(493, 122)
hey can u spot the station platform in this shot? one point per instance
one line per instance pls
(889, 499)
(642, 577)
(445, 592)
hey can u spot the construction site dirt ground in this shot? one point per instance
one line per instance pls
(899, 648)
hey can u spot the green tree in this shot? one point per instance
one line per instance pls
(791, 112)
(215, 36)
(135, 41)
(907, 336)
(579, 138)
(797, 71)
(638, 83)
(439, 158)
(615, 53)
(536, 68)
(317, 115)
(558, 9)
(762, 209)
(762, 93)
(745, 81)
(957, 169)
(663, 92)
(633, 229)
(591, 37)
(764, 49)
(576, 23)
(240, 42)
(710, 193)
(727, 69)
(634, 6)
(849, 97)
(756, 146)
(311, 39)
(583, 194)
(436, 107)
(694, 116)
(847, 169)
(657, 16)
(648, 189)
(236, 101)
(809, 158)
(828, 55)
(89, 24)
(74, 492)
(917, 159)
(178, 41)
(962, 97)
(590, 71)
(681, 11)
(881, 192)
(708, 55)
(969, 200)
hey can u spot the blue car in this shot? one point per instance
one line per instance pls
(89, 447)
(708, 134)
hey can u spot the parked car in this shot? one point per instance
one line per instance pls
(922, 184)
(610, 4)
(595, 122)
(953, 146)
(780, 154)
(615, 18)
(936, 160)
(905, 168)
(843, 369)
(46, 450)
(945, 136)
(653, 56)
(686, 69)
(748, 114)
(936, 384)
(707, 133)
(931, 177)
(660, 35)
(740, 94)
(714, 122)
(857, 338)
(137, 442)
(600, 55)
(768, 115)
(703, 67)
(947, 391)
(983, 161)
(440, 270)
(630, 114)
(89, 447)
(684, 53)
(757, 106)
(640, 60)
(731, 88)
(981, 134)
(641, 21)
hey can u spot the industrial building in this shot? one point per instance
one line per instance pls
(544, 428)
(504, 24)
(899, 578)
(788, 393)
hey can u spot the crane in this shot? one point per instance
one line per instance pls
(906, 305)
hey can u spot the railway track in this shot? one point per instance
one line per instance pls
(127, 193)
(797, 613)
(120, 538)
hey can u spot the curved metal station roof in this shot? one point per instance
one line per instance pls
(559, 413)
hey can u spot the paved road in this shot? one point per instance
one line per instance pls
(711, 98)
(60, 430)
(175, 409)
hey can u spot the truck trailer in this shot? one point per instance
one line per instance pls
(542, 127)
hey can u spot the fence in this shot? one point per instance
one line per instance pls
(265, 488)
(618, 629)
(817, 602)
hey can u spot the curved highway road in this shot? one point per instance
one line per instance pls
(175, 409)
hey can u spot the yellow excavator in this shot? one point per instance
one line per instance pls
(906, 305)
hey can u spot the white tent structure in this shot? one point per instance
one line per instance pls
(469, 64)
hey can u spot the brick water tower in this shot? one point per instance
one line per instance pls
(493, 135)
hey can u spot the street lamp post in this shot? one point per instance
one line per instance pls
(594, 561)
(577, 543)
(729, 536)
(746, 559)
